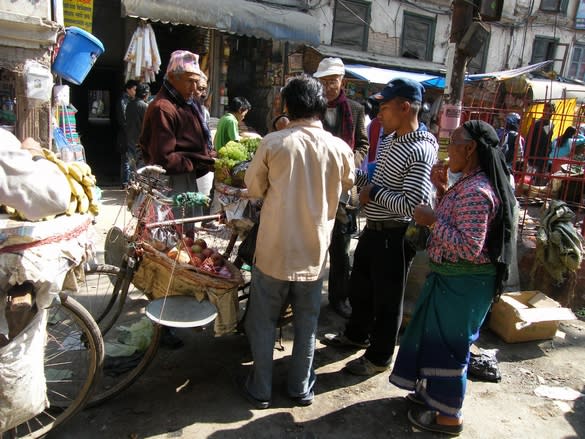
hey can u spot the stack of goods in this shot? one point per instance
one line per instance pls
(68, 123)
(233, 159)
(66, 135)
(84, 192)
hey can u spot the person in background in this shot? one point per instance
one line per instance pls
(127, 96)
(382, 257)
(538, 143)
(374, 132)
(228, 125)
(345, 119)
(280, 122)
(300, 174)
(205, 183)
(562, 146)
(470, 252)
(135, 111)
(511, 141)
(424, 114)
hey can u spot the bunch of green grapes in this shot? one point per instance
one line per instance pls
(251, 144)
(233, 151)
(229, 156)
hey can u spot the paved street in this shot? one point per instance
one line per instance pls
(189, 393)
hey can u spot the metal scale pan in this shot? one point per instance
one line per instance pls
(181, 311)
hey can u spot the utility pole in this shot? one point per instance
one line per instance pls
(454, 81)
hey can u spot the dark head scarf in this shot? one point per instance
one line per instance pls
(493, 163)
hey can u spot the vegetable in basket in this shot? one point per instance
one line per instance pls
(229, 156)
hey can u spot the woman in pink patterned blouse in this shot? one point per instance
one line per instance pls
(469, 251)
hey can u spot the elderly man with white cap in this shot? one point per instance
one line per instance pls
(174, 133)
(344, 118)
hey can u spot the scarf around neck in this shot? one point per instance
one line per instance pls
(347, 130)
(193, 105)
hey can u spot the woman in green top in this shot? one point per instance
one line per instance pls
(227, 127)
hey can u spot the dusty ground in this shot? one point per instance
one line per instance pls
(188, 393)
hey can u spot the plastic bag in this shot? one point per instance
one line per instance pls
(484, 366)
(23, 390)
(247, 248)
(417, 235)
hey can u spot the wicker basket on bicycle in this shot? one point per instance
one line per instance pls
(160, 276)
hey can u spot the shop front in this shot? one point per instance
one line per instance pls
(247, 46)
(28, 34)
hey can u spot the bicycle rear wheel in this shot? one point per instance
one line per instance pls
(131, 339)
(74, 353)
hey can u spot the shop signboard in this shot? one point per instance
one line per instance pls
(78, 13)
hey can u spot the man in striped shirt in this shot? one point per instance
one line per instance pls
(382, 258)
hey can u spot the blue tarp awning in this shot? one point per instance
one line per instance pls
(235, 16)
(378, 75)
(439, 81)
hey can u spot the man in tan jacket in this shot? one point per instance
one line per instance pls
(300, 173)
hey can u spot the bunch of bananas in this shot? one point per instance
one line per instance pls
(82, 183)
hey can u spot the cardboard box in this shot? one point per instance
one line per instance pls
(526, 316)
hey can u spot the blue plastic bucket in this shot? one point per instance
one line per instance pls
(77, 54)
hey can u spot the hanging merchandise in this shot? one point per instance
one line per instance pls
(38, 81)
(66, 137)
(142, 56)
(76, 55)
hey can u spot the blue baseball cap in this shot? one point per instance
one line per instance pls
(400, 87)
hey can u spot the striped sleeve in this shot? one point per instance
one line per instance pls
(402, 177)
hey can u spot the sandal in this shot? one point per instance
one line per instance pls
(427, 420)
(415, 398)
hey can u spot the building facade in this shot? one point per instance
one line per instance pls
(28, 31)
(528, 32)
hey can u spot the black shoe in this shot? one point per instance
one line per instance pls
(341, 341)
(303, 401)
(240, 381)
(169, 340)
(341, 308)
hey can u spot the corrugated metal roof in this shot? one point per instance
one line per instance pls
(234, 16)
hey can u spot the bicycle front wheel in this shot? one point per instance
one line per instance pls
(131, 339)
(74, 353)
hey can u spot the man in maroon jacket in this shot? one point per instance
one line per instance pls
(174, 134)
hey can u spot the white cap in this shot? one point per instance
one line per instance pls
(330, 66)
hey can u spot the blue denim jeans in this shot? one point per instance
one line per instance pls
(267, 298)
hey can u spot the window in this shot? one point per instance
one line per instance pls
(554, 5)
(577, 66)
(477, 63)
(418, 37)
(351, 24)
(543, 49)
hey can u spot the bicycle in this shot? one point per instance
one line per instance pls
(74, 354)
(119, 307)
